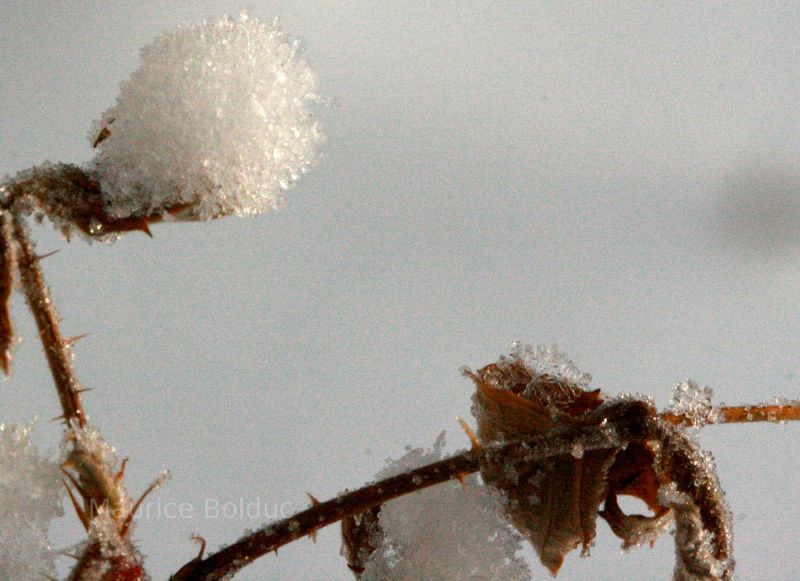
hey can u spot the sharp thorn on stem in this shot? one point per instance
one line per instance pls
(70, 341)
(41, 257)
(202, 541)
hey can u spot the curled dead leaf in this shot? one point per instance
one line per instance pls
(555, 502)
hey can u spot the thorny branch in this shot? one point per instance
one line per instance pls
(634, 424)
(56, 349)
(85, 469)
(247, 549)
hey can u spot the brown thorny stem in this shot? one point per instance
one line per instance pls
(59, 357)
(637, 424)
(56, 349)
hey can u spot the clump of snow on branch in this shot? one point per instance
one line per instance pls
(30, 497)
(216, 117)
(444, 532)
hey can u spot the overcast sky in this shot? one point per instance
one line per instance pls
(620, 178)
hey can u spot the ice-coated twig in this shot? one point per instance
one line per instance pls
(775, 413)
(57, 351)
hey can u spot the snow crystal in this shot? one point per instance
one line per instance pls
(694, 402)
(216, 118)
(444, 532)
(551, 361)
(30, 497)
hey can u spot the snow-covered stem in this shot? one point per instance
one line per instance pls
(630, 425)
(774, 413)
(56, 349)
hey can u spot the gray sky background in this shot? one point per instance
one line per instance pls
(620, 178)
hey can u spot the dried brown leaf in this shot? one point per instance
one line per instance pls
(555, 502)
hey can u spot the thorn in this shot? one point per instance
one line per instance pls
(81, 514)
(473, 437)
(74, 481)
(70, 341)
(68, 554)
(121, 474)
(84, 389)
(125, 528)
(60, 418)
(461, 478)
(104, 132)
(146, 229)
(47, 254)
(314, 502)
(202, 541)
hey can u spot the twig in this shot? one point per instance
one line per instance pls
(775, 413)
(227, 561)
(633, 427)
(57, 351)
(7, 268)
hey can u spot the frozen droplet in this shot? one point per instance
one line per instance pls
(95, 227)
(576, 450)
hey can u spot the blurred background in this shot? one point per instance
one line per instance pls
(620, 178)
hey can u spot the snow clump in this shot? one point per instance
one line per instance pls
(30, 497)
(215, 121)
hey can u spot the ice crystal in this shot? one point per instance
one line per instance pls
(548, 360)
(30, 497)
(694, 402)
(216, 118)
(444, 532)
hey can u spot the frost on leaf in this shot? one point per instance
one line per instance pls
(215, 121)
(554, 501)
(30, 497)
(447, 531)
